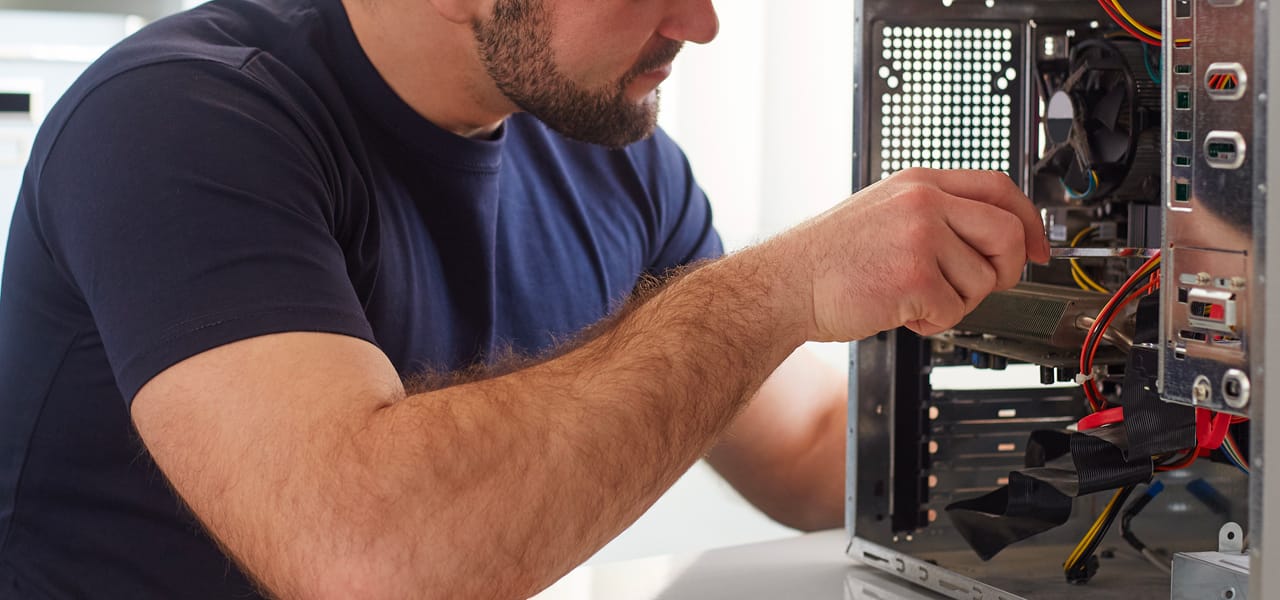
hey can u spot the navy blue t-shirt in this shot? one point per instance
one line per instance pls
(241, 169)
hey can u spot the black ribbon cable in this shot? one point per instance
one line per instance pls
(1152, 426)
(1061, 465)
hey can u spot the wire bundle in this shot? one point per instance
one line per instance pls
(1131, 25)
(1081, 278)
(1081, 564)
(1093, 186)
(1133, 287)
(1233, 454)
(1126, 526)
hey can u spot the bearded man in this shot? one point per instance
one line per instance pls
(410, 298)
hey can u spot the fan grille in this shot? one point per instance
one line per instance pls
(944, 97)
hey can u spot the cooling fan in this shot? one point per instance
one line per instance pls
(1092, 121)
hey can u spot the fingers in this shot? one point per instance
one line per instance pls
(960, 278)
(994, 234)
(969, 273)
(940, 307)
(995, 189)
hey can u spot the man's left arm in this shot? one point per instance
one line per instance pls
(786, 451)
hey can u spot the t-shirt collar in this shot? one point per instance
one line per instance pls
(362, 82)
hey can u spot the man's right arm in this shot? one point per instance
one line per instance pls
(305, 458)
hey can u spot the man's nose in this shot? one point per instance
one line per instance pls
(690, 20)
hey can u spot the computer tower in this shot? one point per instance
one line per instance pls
(1100, 429)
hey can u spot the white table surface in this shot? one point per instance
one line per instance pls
(811, 566)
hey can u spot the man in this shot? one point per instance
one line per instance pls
(247, 232)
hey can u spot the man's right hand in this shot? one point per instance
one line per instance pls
(921, 249)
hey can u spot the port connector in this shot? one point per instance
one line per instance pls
(1181, 190)
(1214, 310)
(1235, 388)
(1224, 149)
(1225, 81)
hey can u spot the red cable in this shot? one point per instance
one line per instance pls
(1182, 464)
(1100, 418)
(1111, 12)
(1211, 428)
(1093, 339)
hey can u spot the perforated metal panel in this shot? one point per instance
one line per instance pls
(945, 96)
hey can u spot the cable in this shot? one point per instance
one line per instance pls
(1126, 21)
(1233, 454)
(1124, 14)
(1146, 62)
(1093, 185)
(1093, 339)
(1126, 520)
(1110, 7)
(1081, 564)
(1077, 272)
(1181, 463)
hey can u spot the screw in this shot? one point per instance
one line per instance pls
(1201, 391)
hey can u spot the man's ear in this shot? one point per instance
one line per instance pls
(463, 12)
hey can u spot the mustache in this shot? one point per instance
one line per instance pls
(663, 55)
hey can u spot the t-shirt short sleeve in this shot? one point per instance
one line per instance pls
(686, 232)
(195, 214)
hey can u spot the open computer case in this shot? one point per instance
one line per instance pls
(1119, 448)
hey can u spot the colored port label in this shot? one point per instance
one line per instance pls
(1225, 81)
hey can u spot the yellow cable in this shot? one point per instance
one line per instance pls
(1077, 272)
(1132, 21)
(1086, 282)
(1081, 284)
(1093, 531)
(1124, 14)
(1080, 236)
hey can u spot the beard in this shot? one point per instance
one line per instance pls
(515, 48)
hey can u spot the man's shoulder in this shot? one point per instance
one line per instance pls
(219, 53)
(226, 32)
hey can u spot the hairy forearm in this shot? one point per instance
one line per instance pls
(499, 486)
(305, 457)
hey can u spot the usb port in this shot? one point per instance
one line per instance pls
(1224, 149)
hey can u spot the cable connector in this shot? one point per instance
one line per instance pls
(1080, 378)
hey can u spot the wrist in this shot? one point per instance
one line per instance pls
(765, 283)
